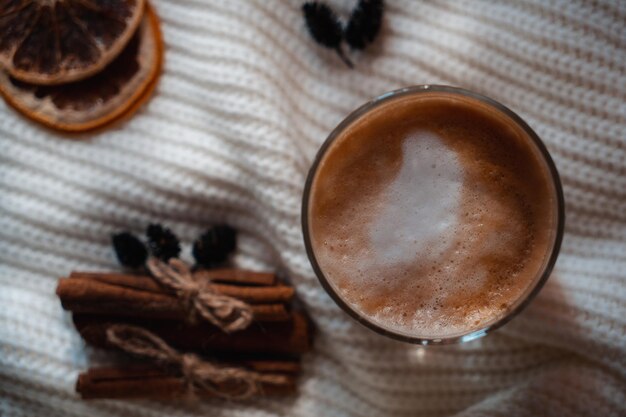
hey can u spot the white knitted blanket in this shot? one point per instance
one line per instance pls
(245, 100)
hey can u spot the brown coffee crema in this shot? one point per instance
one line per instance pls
(432, 215)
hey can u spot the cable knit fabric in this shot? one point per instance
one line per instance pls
(245, 100)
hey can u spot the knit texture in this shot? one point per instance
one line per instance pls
(245, 100)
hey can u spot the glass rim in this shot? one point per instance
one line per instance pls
(522, 303)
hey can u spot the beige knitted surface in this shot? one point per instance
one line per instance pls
(245, 100)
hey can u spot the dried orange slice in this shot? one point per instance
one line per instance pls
(58, 41)
(117, 91)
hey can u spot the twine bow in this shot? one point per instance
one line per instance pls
(227, 313)
(226, 382)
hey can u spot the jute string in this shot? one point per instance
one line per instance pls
(198, 374)
(227, 313)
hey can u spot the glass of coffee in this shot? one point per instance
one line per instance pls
(433, 214)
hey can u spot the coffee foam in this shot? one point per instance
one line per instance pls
(431, 225)
(417, 212)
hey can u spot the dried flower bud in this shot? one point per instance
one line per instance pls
(364, 23)
(162, 242)
(215, 245)
(130, 251)
(324, 27)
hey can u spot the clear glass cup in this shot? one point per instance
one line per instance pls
(543, 273)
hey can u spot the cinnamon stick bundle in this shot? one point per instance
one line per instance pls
(292, 336)
(146, 381)
(141, 296)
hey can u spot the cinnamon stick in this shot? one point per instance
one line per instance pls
(251, 294)
(287, 337)
(236, 276)
(147, 381)
(137, 296)
(219, 275)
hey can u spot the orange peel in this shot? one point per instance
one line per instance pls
(60, 41)
(116, 92)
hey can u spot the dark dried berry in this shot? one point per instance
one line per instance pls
(324, 27)
(130, 251)
(214, 246)
(364, 23)
(162, 242)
